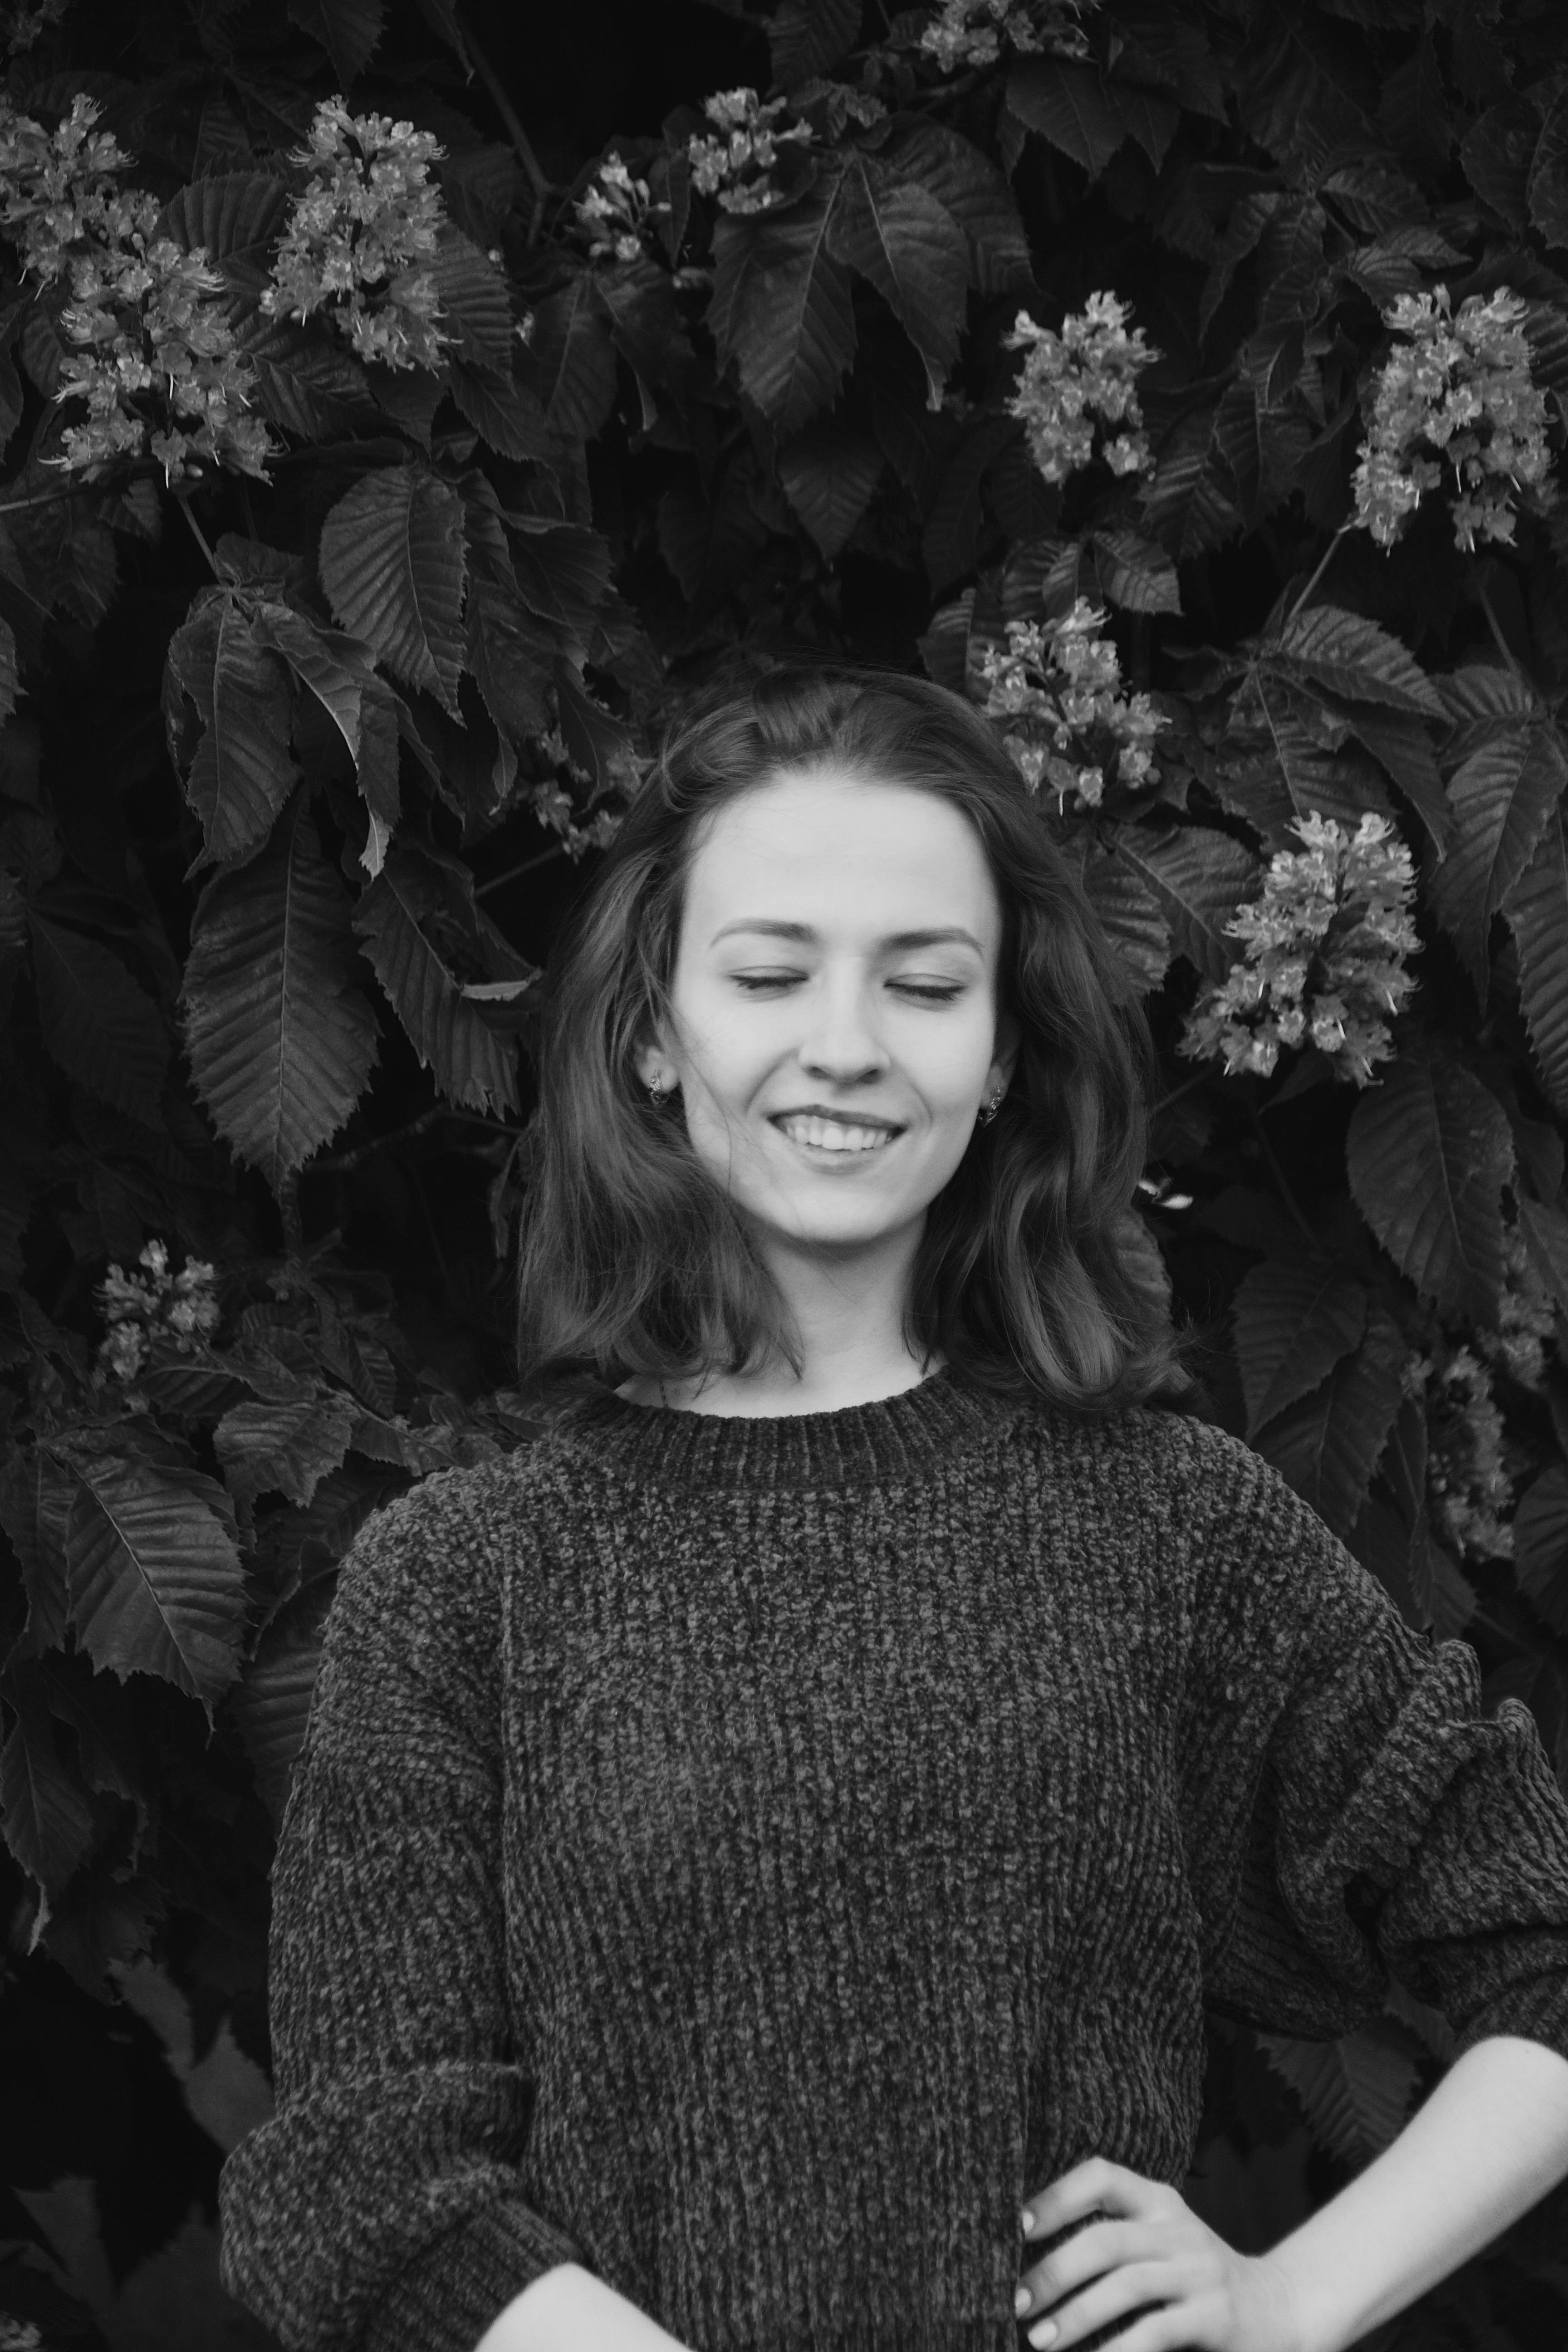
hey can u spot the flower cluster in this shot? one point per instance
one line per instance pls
(141, 318)
(738, 165)
(25, 27)
(1067, 721)
(1323, 955)
(362, 239)
(972, 32)
(179, 1306)
(1526, 1318)
(1467, 1482)
(1457, 393)
(1090, 370)
(614, 209)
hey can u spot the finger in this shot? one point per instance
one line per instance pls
(1138, 2288)
(1097, 2182)
(1174, 2328)
(1103, 2246)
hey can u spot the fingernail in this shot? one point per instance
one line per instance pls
(1021, 2300)
(1045, 2333)
(1028, 2220)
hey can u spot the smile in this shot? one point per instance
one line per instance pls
(826, 1138)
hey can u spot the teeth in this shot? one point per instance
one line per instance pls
(831, 1137)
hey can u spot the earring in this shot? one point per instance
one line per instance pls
(991, 1109)
(657, 1095)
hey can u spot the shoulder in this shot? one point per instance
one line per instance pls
(1160, 1457)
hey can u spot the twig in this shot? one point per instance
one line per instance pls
(200, 537)
(1177, 1092)
(344, 1160)
(289, 1209)
(1317, 574)
(558, 849)
(508, 114)
(1503, 643)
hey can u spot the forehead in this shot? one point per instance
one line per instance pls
(823, 844)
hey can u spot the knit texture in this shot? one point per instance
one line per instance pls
(746, 1857)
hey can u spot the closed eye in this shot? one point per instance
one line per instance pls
(942, 995)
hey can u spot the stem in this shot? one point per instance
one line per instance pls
(1503, 643)
(345, 1160)
(289, 1209)
(200, 536)
(512, 872)
(1278, 1174)
(1322, 567)
(509, 115)
(1177, 1092)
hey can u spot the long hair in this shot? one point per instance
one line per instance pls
(1029, 1275)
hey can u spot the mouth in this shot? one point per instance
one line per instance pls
(841, 1140)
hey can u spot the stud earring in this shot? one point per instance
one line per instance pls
(991, 1109)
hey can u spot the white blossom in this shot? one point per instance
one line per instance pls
(737, 165)
(361, 239)
(616, 210)
(966, 33)
(1088, 372)
(1467, 1482)
(1068, 725)
(138, 1308)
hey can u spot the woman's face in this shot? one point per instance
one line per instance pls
(836, 1004)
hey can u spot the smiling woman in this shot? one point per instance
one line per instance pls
(836, 928)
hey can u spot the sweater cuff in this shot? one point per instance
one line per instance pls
(1537, 2010)
(448, 2295)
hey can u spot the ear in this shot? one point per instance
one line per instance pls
(1009, 1036)
(652, 1063)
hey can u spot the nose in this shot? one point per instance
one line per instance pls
(841, 1041)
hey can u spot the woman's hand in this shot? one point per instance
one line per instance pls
(1151, 2248)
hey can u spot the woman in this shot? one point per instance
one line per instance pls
(747, 1841)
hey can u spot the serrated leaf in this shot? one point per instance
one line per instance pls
(472, 1067)
(574, 359)
(243, 770)
(281, 1041)
(501, 410)
(8, 679)
(969, 187)
(36, 1496)
(101, 1028)
(1135, 572)
(476, 309)
(1356, 2092)
(272, 1704)
(899, 239)
(509, 654)
(285, 1449)
(1501, 796)
(1295, 1319)
(1537, 912)
(335, 668)
(1401, 745)
(1429, 1151)
(1131, 916)
(1071, 106)
(828, 473)
(1326, 1444)
(807, 37)
(1545, 1230)
(1496, 153)
(952, 526)
(1187, 504)
(1541, 1546)
(349, 30)
(781, 310)
(156, 1584)
(377, 770)
(1546, 190)
(392, 565)
(44, 1810)
(237, 217)
(1354, 657)
(305, 383)
(1199, 878)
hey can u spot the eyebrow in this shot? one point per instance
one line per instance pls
(804, 931)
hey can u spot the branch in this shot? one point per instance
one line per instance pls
(1322, 567)
(200, 537)
(557, 849)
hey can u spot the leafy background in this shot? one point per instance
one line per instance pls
(300, 770)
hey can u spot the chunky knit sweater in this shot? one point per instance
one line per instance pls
(745, 1857)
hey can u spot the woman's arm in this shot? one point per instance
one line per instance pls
(1486, 2145)
(570, 2309)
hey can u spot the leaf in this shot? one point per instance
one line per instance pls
(335, 668)
(1537, 913)
(303, 383)
(1546, 190)
(1131, 916)
(349, 30)
(1071, 106)
(827, 475)
(574, 360)
(1295, 1319)
(1326, 1444)
(1136, 573)
(1188, 504)
(1354, 657)
(243, 770)
(476, 309)
(377, 770)
(471, 1065)
(1199, 878)
(807, 37)
(1496, 153)
(284, 1449)
(101, 1028)
(237, 217)
(392, 565)
(951, 533)
(1541, 1546)
(971, 190)
(1151, 121)
(1429, 1153)
(1501, 796)
(156, 1585)
(1357, 2093)
(1403, 748)
(280, 1039)
(501, 410)
(44, 1810)
(272, 1704)
(508, 653)
(35, 1506)
(781, 310)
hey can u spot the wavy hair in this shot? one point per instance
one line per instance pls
(1031, 1274)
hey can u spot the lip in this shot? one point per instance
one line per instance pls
(838, 1117)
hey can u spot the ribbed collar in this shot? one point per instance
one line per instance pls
(890, 1441)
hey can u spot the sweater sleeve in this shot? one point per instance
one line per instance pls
(1353, 1813)
(380, 2209)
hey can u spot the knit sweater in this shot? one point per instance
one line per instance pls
(746, 1856)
